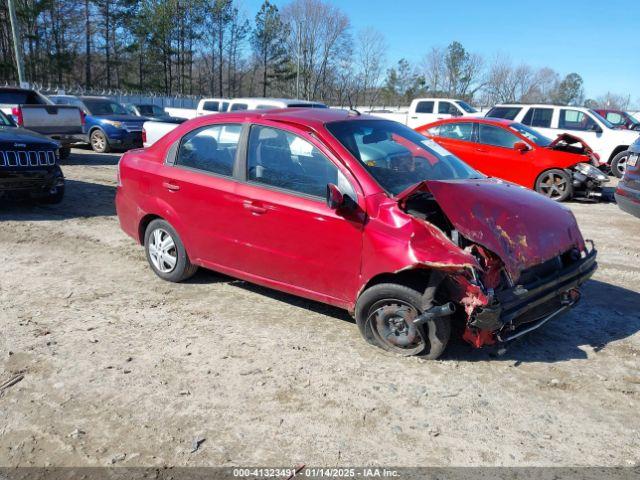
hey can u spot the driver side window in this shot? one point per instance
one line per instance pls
(576, 120)
(284, 160)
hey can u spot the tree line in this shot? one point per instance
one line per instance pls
(306, 49)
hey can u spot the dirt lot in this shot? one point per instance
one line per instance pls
(122, 368)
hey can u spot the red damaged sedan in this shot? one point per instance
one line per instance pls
(560, 169)
(357, 212)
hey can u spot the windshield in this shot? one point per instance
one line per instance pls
(396, 156)
(531, 134)
(104, 107)
(606, 122)
(466, 107)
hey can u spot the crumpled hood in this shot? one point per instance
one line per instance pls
(520, 226)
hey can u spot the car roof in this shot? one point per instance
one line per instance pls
(539, 105)
(488, 120)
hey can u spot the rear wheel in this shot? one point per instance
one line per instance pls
(555, 184)
(385, 314)
(99, 142)
(166, 253)
(619, 164)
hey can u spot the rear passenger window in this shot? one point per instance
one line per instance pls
(447, 108)
(238, 106)
(456, 131)
(496, 136)
(508, 113)
(424, 107)
(211, 106)
(538, 117)
(284, 160)
(576, 120)
(210, 149)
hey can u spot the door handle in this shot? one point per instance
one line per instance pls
(481, 150)
(172, 187)
(255, 209)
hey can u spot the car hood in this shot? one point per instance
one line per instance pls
(22, 135)
(520, 226)
(122, 118)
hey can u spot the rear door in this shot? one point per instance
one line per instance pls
(423, 113)
(199, 185)
(458, 138)
(290, 235)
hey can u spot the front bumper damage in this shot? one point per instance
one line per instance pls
(510, 313)
(586, 186)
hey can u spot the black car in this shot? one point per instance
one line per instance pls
(628, 191)
(29, 164)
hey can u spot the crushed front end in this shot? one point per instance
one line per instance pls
(499, 310)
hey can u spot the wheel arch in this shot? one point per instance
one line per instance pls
(617, 150)
(144, 223)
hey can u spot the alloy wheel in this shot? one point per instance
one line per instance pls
(553, 185)
(621, 165)
(98, 142)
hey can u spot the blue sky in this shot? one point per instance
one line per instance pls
(600, 39)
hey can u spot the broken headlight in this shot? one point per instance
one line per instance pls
(591, 172)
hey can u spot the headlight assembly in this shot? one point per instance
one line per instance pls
(591, 172)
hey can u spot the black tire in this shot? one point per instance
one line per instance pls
(183, 269)
(99, 142)
(54, 197)
(388, 302)
(619, 164)
(64, 152)
(555, 184)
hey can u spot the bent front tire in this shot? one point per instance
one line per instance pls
(166, 253)
(385, 314)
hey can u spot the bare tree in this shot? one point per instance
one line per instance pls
(370, 54)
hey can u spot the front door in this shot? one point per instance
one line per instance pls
(289, 234)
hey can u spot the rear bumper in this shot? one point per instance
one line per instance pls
(524, 308)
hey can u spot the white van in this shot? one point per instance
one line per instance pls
(238, 104)
(427, 110)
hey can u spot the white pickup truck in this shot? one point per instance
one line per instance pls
(35, 112)
(427, 110)
(153, 131)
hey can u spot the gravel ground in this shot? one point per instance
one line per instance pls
(122, 368)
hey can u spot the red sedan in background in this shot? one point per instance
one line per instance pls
(559, 169)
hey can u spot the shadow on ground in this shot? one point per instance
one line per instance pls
(85, 156)
(606, 313)
(82, 199)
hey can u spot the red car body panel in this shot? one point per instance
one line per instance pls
(301, 246)
(509, 164)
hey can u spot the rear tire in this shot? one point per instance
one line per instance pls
(166, 253)
(385, 313)
(555, 184)
(619, 164)
(99, 142)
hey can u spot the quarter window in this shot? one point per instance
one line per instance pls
(496, 136)
(285, 160)
(576, 120)
(424, 107)
(457, 131)
(210, 149)
(538, 117)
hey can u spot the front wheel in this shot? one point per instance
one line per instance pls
(555, 184)
(99, 142)
(166, 253)
(619, 164)
(385, 314)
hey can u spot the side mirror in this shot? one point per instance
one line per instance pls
(521, 147)
(595, 128)
(335, 198)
